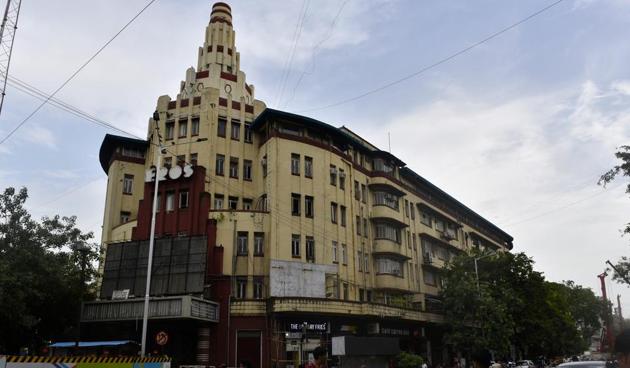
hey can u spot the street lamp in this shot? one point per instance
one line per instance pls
(492, 253)
(145, 315)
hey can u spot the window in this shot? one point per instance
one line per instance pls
(333, 212)
(439, 225)
(247, 169)
(429, 278)
(219, 165)
(263, 163)
(308, 167)
(342, 214)
(342, 180)
(389, 266)
(360, 261)
(181, 160)
(259, 244)
(295, 246)
(241, 243)
(233, 203)
(413, 212)
(381, 165)
(127, 184)
(365, 227)
(295, 164)
(415, 244)
(124, 216)
(361, 295)
(387, 231)
(358, 225)
(247, 204)
(333, 175)
(241, 288)
(357, 191)
(308, 206)
(368, 295)
(248, 133)
(366, 262)
(345, 291)
(363, 193)
(258, 289)
(386, 199)
(194, 126)
(193, 159)
(236, 130)
(295, 204)
(334, 252)
(170, 201)
(183, 128)
(310, 249)
(218, 201)
(170, 129)
(221, 127)
(168, 162)
(406, 208)
(344, 254)
(451, 231)
(158, 202)
(234, 167)
(425, 218)
(183, 198)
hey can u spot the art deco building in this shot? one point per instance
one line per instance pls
(275, 232)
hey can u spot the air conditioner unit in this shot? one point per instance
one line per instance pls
(342, 174)
(333, 170)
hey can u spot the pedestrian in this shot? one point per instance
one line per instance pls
(622, 349)
(319, 358)
(482, 359)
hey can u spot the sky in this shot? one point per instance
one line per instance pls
(518, 128)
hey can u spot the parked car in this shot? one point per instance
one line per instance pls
(525, 363)
(584, 364)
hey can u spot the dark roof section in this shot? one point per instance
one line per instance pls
(466, 210)
(333, 131)
(110, 142)
(341, 134)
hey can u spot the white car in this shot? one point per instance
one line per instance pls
(584, 364)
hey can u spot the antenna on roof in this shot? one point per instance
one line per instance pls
(389, 142)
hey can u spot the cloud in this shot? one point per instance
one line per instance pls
(39, 135)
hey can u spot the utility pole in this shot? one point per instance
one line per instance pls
(608, 338)
(619, 312)
(7, 35)
(145, 316)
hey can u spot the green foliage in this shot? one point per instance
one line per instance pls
(622, 272)
(46, 269)
(409, 360)
(514, 305)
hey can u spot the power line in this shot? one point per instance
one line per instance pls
(287, 69)
(326, 37)
(437, 63)
(76, 72)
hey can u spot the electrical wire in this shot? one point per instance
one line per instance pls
(435, 64)
(76, 72)
(315, 51)
(287, 69)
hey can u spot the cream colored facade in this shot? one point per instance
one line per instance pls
(384, 250)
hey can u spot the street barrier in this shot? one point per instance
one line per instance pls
(13, 361)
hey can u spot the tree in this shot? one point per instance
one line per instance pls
(622, 267)
(46, 270)
(515, 307)
(409, 360)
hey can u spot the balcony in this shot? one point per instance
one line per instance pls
(349, 308)
(388, 247)
(387, 213)
(390, 282)
(174, 307)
